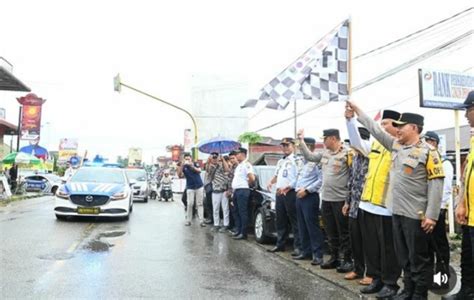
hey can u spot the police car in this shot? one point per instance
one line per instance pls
(42, 183)
(95, 191)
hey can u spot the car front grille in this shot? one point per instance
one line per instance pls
(96, 200)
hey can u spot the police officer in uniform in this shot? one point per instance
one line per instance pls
(335, 166)
(307, 210)
(465, 213)
(285, 178)
(416, 190)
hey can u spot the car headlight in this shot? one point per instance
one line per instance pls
(62, 193)
(119, 196)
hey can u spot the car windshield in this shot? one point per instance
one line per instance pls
(100, 175)
(138, 175)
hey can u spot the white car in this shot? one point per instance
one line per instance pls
(43, 183)
(95, 191)
(141, 187)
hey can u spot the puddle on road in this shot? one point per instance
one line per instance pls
(56, 256)
(111, 234)
(98, 246)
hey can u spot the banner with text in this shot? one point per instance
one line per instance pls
(444, 89)
(31, 116)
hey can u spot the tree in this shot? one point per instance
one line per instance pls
(250, 138)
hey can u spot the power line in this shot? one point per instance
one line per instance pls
(384, 75)
(397, 41)
(414, 33)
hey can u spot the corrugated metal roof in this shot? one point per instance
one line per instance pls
(8, 82)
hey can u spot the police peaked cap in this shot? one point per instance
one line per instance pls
(287, 140)
(431, 135)
(469, 100)
(241, 150)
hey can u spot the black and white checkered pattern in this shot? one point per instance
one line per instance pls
(321, 73)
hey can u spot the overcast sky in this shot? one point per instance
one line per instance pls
(69, 51)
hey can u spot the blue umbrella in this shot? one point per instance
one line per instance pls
(218, 144)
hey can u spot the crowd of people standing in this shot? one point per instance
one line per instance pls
(383, 204)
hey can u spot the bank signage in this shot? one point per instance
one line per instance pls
(444, 89)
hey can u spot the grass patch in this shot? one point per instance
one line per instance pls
(15, 198)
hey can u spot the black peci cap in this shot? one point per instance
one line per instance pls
(364, 133)
(409, 118)
(309, 140)
(390, 114)
(330, 132)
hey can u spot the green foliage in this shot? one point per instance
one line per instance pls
(250, 138)
(122, 161)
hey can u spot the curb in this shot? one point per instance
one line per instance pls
(317, 271)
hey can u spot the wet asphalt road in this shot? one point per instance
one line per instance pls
(150, 256)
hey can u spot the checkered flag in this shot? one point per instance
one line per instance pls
(321, 73)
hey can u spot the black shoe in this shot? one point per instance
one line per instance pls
(330, 264)
(387, 292)
(235, 234)
(208, 221)
(373, 288)
(296, 253)
(345, 267)
(276, 249)
(303, 257)
(240, 237)
(317, 261)
(404, 295)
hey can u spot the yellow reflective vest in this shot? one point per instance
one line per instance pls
(377, 178)
(469, 185)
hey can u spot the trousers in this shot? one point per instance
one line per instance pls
(286, 218)
(195, 197)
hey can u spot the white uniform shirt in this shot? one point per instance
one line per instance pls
(240, 180)
(287, 172)
(448, 183)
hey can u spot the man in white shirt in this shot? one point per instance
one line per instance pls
(285, 178)
(69, 172)
(243, 178)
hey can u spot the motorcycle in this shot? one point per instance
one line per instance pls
(154, 189)
(166, 192)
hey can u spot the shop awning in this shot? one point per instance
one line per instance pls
(7, 128)
(8, 82)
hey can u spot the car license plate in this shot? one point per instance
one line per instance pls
(88, 210)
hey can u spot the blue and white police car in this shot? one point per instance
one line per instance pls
(95, 191)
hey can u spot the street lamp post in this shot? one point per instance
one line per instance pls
(118, 88)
